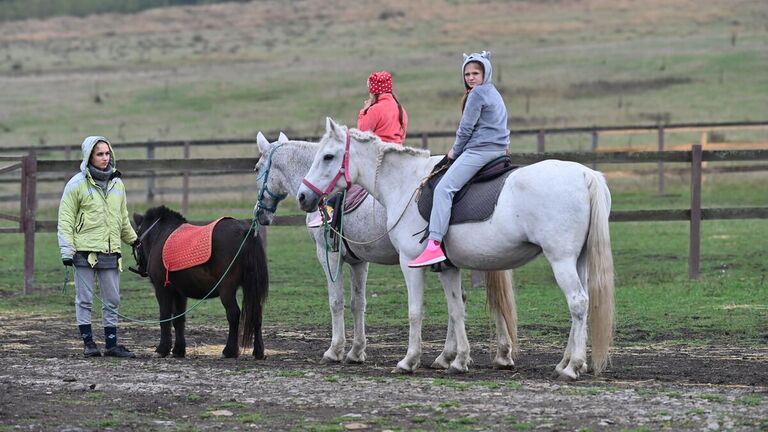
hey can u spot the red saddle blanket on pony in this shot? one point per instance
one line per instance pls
(188, 246)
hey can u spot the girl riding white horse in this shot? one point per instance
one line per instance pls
(556, 208)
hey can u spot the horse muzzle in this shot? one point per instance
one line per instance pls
(307, 199)
(264, 217)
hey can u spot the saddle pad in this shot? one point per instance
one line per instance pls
(476, 205)
(188, 246)
(476, 201)
(355, 196)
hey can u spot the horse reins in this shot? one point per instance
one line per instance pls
(265, 189)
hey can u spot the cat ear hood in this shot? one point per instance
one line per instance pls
(483, 58)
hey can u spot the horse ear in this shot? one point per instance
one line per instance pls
(282, 138)
(333, 127)
(138, 219)
(262, 142)
(465, 56)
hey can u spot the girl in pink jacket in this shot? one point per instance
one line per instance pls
(382, 113)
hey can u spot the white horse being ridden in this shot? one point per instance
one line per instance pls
(553, 207)
(280, 170)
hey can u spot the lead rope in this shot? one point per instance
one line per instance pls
(255, 223)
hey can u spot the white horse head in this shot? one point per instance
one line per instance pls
(272, 186)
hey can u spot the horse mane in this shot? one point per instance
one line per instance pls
(165, 213)
(370, 137)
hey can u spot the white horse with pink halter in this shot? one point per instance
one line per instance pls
(555, 208)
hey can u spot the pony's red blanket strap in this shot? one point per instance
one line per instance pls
(188, 246)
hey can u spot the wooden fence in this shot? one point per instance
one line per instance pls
(422, 139)
(31, 167)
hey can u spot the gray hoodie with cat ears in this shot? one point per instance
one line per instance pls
(485, 59)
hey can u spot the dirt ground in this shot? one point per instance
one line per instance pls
(46, 384)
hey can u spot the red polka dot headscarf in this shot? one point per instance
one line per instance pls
(380, 82)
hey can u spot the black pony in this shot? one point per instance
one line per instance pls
(249, 270)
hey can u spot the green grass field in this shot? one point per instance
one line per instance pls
(269, 66)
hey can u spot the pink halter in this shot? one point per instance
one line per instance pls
(343, 171)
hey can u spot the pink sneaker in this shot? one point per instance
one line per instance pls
(433, 254)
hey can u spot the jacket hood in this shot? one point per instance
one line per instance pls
(88, 145)
(485, 59)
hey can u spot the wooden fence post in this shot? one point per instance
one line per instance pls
(594, 147)
(540, 141)
(661, 162)
(151, 177)
(694, 248)
(28, 206)
(185, 183)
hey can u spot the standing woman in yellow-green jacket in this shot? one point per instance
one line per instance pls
(93, 221)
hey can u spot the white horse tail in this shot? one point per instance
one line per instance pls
(501, 302)
(600, 271)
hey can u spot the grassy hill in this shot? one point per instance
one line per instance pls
(232, 69)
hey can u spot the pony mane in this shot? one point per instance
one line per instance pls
(163, 212)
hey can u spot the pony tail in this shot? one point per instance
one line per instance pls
(399, 111)
(464, 100)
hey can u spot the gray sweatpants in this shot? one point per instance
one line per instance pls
(459, 173)
(109, 284)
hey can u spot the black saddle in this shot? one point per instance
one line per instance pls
(476, 201)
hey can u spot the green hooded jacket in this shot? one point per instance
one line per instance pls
(91, 219)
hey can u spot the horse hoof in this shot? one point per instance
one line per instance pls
(354, 361)
(455, 371)
(328, 360)
(504, 366)
(437, 365)
(400, 371)
(160, 355)
(567, 377)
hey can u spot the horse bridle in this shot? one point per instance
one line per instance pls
(137, 244)
(265, 189)
(343, 171)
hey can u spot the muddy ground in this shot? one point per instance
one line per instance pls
(46, 384)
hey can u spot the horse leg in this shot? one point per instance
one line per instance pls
(574, 360)
(335, 353)
(180, 343)
(451, 280)
(165, 302)
(258, 339)
(229, 300)
(414, 280)
(443, 361)
(501, 302)
(359, 279)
